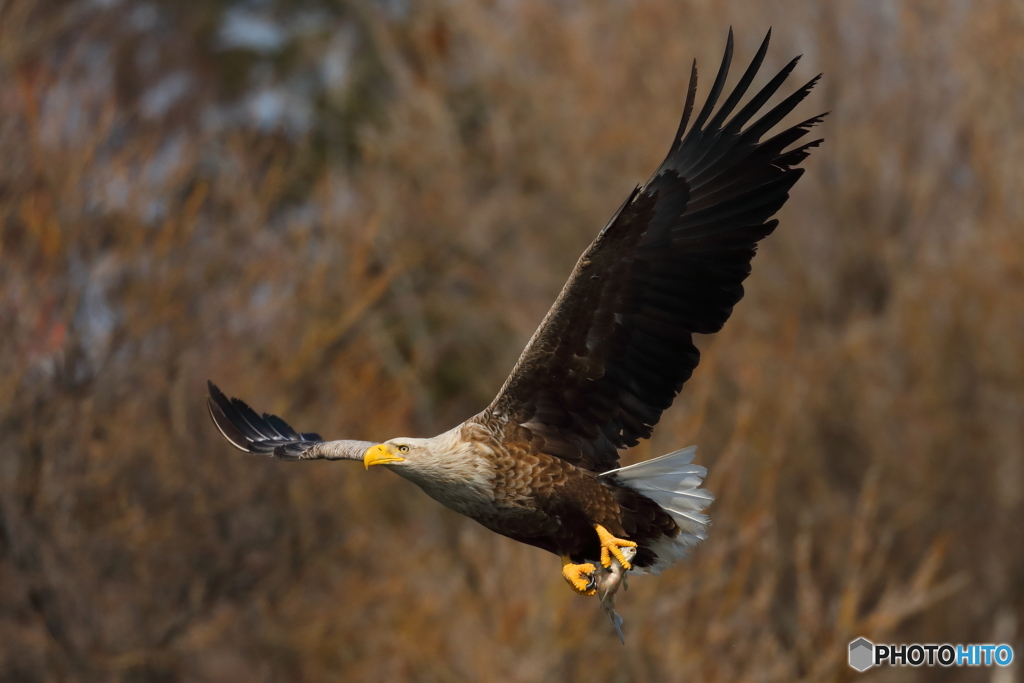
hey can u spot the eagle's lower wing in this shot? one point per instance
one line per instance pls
(616, 347)
(270, 435)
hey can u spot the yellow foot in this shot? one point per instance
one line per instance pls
(579, 576)
(610, 547)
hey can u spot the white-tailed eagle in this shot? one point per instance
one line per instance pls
(540, 463)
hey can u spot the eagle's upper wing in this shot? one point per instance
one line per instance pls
(270, 435)
(616, 346)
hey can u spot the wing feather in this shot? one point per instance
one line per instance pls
(616, 347)
(248, 431)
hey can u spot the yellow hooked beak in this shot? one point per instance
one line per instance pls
(381, 454)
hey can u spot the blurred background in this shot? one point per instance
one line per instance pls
(354, 213)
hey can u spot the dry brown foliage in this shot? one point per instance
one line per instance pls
(375, 274)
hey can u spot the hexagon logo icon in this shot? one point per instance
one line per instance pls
(862, 653)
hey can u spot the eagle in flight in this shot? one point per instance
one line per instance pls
(540, 463)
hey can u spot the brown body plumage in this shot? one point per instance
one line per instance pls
(547, 502)
(539, 464)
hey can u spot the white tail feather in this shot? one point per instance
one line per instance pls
(672, 482)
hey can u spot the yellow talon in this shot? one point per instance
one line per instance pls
(610, 548)
(579, 576)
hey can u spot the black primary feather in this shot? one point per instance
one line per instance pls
(616, 347)
(247, 431)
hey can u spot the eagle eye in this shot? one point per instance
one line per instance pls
(403, 449)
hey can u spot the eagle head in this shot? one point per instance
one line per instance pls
(457, 471)
(402, 452)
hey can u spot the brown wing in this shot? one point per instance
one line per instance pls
(616, 347)
(267, 434)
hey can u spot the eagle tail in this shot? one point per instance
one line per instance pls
(672, 481)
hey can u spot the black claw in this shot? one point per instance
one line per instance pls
(592, 583)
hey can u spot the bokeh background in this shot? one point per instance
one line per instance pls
(354, 213)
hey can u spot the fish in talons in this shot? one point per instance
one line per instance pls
(607, 581)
